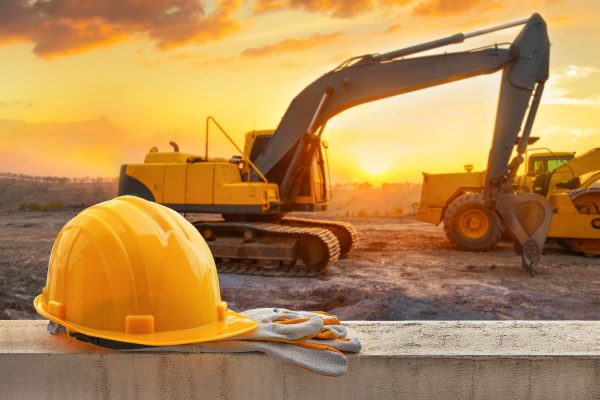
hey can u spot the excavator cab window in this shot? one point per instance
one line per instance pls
(315, 180)
(259, 144)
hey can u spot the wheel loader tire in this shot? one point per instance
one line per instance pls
(470, 225)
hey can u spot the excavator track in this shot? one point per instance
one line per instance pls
(345, 232)
(269, 249)
(587, 202)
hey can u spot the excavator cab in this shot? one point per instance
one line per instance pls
(314, 190)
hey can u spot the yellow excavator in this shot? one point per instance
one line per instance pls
(285, 170)
(571, 184)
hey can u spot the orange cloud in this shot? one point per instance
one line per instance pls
(387, 3)
(288, 45)
(444, 7)
(419, 8)
(336, 8)
(394, 28)
(59, 27)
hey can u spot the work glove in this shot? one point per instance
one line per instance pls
(314, 329)
(325, 361)
(313, 340)
(282, 325)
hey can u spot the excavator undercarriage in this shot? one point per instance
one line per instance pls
(290, 247)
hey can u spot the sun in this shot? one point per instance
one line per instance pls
(374, 165)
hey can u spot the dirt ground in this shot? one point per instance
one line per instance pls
(402, 270)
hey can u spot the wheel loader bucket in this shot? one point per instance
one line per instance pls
(528, 217)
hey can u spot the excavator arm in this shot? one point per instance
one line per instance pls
(525, 62)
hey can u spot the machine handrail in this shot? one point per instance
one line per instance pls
(244, 156)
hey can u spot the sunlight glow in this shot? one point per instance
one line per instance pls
(137, 83)
(374, 164)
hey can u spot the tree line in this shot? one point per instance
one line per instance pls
(56, 179)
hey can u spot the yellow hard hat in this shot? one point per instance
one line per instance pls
(133, 271)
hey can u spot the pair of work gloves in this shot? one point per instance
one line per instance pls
(314, 340)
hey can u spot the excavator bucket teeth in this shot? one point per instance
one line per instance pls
(528, 217)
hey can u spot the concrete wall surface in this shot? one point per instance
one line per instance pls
(400, 360)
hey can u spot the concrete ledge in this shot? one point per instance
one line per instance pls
(400, 360)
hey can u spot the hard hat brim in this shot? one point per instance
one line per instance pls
(234, 324)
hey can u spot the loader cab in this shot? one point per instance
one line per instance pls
(314, 191)
(546, 162)
(539, 169)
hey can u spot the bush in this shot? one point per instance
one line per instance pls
(398, 212)
(362, 213)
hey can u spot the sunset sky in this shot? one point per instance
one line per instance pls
(89, 85)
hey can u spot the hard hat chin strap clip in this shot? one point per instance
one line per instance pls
(56, 329)
(106, 343)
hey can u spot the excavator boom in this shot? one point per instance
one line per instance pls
(525, 64)
(361, 83)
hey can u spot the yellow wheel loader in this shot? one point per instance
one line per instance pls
(571, 184)
(285, 170)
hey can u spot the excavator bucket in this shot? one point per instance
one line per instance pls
(528, 217)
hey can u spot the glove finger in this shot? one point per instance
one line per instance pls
(340, 330)
(285, 321)
(271, 314)
(347, 345)
(331, 363)
(326, 335)
(328, 319)
(333, 332)
(323, 313)
(271, 331)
